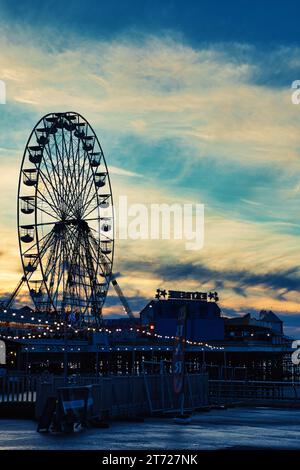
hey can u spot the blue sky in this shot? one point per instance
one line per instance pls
(193, 100)
(257, 22)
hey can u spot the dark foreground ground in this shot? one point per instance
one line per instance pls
(235, 428)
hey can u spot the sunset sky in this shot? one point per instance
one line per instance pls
(192, 103)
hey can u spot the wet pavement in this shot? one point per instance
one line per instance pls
(234, 428)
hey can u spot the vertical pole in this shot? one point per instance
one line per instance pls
(179, 357)
(133, 362)
(97, 363)
(65, 353)
(27, 358)
(225, 366)
(147, 389)
(162, 388)
(182, 404)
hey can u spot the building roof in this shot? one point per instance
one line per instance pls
(269, 316)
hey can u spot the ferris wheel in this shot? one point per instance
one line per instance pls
(65, 218)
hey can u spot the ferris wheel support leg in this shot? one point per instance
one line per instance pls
(15, 292)
(122, 297)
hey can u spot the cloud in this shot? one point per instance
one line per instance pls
(207, 98)
(121, 172)
(287, 279)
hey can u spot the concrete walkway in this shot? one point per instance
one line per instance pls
(218, 429)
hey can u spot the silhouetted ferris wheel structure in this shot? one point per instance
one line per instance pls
(65, 218)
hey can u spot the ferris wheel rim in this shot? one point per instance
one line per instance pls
(86, 123)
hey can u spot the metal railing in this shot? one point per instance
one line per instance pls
(14, 388)
(22, 387)
(249, 391)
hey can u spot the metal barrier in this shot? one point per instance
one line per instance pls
(159, 388)
(125, 396)
(22, 388)
(225, 390)
(116, 395)
(18, 388)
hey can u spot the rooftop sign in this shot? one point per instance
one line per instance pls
(181, 295)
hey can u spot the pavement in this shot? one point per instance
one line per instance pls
(234, 428)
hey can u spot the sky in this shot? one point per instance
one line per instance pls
(192, 103)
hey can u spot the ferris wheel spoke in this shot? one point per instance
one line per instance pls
(51, 164)
(32, 205)
(49, 269)
(89, 178)
(55, 172)
(96, 252)
(59, 158)
(72, 184)
(45, 243)
(74, 288)
(56, 219)
(52, 204)
(82, 171)
(83, 181)
(63, 271)
(77, 167)
(47, 224)
(84, 175)
(56, 275)
(36, 243)
(52, 184)
(83, 245)
(68, 186)
(45, 246)
(76, 196)
(57, 272)
(50, 262)
(82, 283)
(72, 241)
(73, 171)
(91, 294)
(41, 197)
(50, 266)
(105, 261)
(105, 264)
(86, 195)
(53, 195)
(87, 184)
(93, 209)
(88, 202)
(56, 193)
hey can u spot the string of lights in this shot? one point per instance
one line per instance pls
(47, 330)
